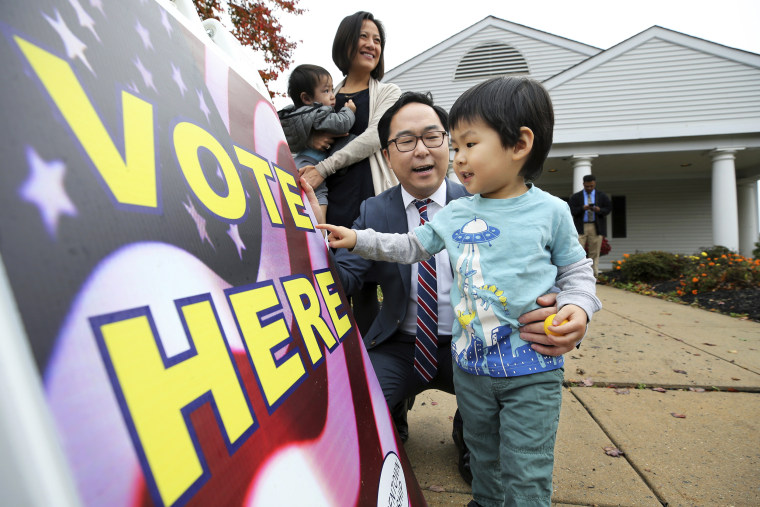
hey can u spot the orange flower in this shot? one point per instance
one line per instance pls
(695, 279)
(617, 267)
(694, 292)
(711, 264)
(626, 255)
(679, 292)
(704, 274)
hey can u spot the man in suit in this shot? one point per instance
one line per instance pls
(590, 208)
(414, 142)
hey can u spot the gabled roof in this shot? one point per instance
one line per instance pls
(654, 32)
(492, 21)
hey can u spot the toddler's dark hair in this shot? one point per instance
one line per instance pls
(505, 104)
(304, 78)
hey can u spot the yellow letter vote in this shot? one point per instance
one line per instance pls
(155, 394)
(263, 175)
(188, 139)
(132, 179)
(304, 302)
(294, 200)
(333, 302)
(259, 316)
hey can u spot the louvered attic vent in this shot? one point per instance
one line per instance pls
(490, 60)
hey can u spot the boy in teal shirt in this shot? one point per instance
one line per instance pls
(507, 244)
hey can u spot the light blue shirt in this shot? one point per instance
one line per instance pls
(504, 254)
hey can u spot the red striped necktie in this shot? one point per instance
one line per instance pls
(426, 344)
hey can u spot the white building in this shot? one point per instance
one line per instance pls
(668, 123)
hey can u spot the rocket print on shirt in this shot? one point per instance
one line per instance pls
(482, 310)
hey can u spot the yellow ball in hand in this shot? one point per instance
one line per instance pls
(548, 322)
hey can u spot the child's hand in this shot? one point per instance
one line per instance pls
(315, 207)
(569, 333)
(350, 104)
(339, 237)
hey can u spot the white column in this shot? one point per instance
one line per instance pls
(725, 215)
(581, 167)
(747, 217)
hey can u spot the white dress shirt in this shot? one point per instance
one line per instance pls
(444, 276)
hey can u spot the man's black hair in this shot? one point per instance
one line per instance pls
(505, 104)
(304, 78)
(345, 44)
(588, 177)
(384, 125)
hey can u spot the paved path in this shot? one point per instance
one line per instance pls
(707, 363)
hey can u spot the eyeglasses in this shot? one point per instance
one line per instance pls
(432, 139)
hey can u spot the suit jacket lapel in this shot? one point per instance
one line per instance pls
(396, 217)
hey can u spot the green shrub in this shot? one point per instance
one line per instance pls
(714, 251)
(650, 267)
(756, 251)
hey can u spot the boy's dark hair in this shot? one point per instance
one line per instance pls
(347, 39)
(505, 104)
(384, 125)
(304, 78)
(589, 177)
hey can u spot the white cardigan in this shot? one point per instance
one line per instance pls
(367, 145)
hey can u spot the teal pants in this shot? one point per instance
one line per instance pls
(510, 426)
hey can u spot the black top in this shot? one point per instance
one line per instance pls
(349, 187)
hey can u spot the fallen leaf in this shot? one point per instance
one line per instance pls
(659, 389)
(734, 378)
(696, 389)
(732, 352)
(709, 344)
(580, 371)
(587, 382)
(434, 403)
(732, 390)
(613, 451)
(678, 416)
(622, 391)
(436, 488)
(682, 372)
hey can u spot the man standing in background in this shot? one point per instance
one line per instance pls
(590, 208)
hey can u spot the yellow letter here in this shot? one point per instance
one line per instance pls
(307, 311)
(259, 316)
(333, 302)
(132, 179)
(156, 392)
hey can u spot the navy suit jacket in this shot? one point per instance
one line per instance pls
(577, 201)
(384, 213)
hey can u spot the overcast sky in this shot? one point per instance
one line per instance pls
(413, 26)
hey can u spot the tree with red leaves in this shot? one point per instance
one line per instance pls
(255, 25)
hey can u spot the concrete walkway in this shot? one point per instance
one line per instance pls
(709, 368)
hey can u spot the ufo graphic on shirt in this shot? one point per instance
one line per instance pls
(475, 231)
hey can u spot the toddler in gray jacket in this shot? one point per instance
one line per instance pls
(310, 87)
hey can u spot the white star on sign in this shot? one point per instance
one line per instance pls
(74, 47)
(145, 73)
(84, 19)
(200, 222)
(165, 22)
(144, 35)
(202, 104)
(234, 233)
(44, 188)
(98, 5)
(177, 77)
